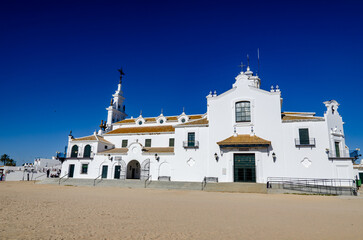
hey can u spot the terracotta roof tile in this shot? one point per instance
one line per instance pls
(301, 118)
(244, 140)
(89, 138)
(115, 150)
(149, 129)
(203, 121)
(158, 149)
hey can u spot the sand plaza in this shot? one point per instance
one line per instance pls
(33, 211)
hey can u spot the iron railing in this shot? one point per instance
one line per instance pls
(339, 154)
(59, 182)
(190, 144)
(315, 185)
(94, 180)
(145, 183)
(305, 142)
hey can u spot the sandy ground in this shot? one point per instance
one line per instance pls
(32, 211)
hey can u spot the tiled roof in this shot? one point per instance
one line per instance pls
(149, 129)
(295, 118)
(203, 121)
(89, 138)
(158, 149)
(115, 150)
(92, 138)
(244, 140)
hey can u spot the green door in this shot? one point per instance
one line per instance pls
(244, 168)
(71, 170)
(117, 172)
(104, 171)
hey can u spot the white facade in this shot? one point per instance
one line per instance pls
(243, 136)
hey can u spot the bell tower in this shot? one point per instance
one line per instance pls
(116, 110)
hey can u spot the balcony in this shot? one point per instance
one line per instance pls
(339, 154)
(305, 142)
(191, 144)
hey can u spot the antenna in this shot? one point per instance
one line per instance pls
(258, 61)
(248, 61)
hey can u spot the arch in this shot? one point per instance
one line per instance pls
(145, 169)
(164, 170)
(121, 163)
(74, 152)
(87, 151)
(133, 170)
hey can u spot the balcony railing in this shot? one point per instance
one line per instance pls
(305, 142)
(191, 144)
(339, 154)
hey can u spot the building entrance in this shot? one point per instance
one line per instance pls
(244, 168)
(133, 170)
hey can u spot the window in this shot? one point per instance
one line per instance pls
(243, 112)
(124, 143)
(171, 142)
(84, 169)
(105, 147)
(337, 150)
(161, 121)
(74, 151)
(140, 122)
(183, 120)
(87, 151)
(147, 142)
(191, 139)
(304, 136)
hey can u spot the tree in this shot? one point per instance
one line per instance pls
(7, 160)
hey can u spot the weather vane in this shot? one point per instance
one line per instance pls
(241, 66)
(121, 74)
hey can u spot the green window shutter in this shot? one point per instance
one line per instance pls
(147, 142)
(124, 143)
(191, 139)
(337, 149)
(74, 151)
(171, 142)
(87, 151)
(84, 168)
(304, 136)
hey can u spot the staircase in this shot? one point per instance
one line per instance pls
(209, 187)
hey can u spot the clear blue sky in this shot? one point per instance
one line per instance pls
(59, 60)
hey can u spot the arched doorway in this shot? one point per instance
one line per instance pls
(133, 170)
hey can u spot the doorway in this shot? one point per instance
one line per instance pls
(117, 172)
(133, 170)
(104, 171)
(71, 170)
(244, 168)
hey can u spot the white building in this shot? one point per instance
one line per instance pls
(243, 137)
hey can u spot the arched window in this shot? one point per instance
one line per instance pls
(74, 152)
(243, 111)
(87, 151)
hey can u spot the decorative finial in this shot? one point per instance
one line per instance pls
(103, 125)
(140, 112)
(248, 60)
(111, 103)
(121, 74)
(70, 133)
(161, 112)
(183, 109)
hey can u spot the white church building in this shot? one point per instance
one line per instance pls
(243, 137)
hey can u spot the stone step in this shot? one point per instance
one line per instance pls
(236, 187)
(212, 187)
